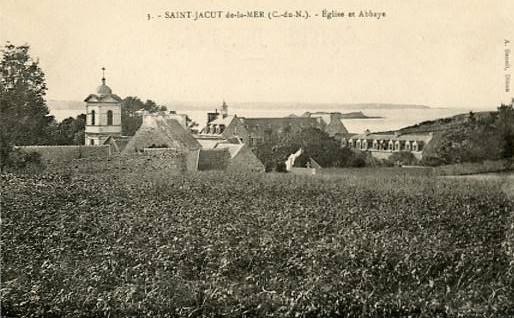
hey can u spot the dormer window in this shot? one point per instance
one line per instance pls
(222, 128)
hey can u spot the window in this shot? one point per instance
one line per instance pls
(92, 118)
(109, 117)
(92, 141)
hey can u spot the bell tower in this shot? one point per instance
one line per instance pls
(103, 115)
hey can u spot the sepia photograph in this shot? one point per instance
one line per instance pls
(292, 158)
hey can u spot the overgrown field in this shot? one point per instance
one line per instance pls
(270, 245)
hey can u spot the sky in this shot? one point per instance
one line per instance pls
(429, 52)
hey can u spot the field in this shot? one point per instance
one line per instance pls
(361, 244)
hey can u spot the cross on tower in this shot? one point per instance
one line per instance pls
(103, 75)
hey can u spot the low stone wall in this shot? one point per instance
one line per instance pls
(385, 154)
(303, 171)
(192, 159)
(56, 155)
(213, 159)
(148, 161)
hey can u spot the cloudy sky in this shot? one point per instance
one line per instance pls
(438, 53)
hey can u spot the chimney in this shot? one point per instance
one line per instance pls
(212, 116)
(224, 110)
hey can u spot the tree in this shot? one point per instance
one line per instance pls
(505, 123)
(24, 114)
(131, 120)
(70, 131)
(316, 144)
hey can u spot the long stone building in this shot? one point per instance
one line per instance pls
(382, 145)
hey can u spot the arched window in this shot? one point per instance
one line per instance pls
(109, 117)
(92, 142)
(92, 118)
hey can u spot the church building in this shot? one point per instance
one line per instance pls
(103, 115)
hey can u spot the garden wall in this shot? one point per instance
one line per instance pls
(303, 171)
(136, 162)
(52, 155)
(213, 159)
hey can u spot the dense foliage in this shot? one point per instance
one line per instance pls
(70, 131)
(316, 144)
(157, 245)
(23, 110)
(486, 137)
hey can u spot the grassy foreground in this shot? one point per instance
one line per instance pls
(209, 244)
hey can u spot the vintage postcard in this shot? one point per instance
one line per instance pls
(252, 158)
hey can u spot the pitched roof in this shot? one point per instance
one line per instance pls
(209, 143)
(159, 130)
(119, 142)
(222, 121)
(233, 149)
(218, 121)
(279, 122)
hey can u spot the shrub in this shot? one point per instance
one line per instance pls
(19, 160)
(403, 157)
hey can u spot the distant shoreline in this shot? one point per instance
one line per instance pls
(73, 104)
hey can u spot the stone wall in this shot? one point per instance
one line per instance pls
(213, 159)
(55, 155)
(245, 160)
(303, 171)
(385, 154)
(164, 161)
(192, 159)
